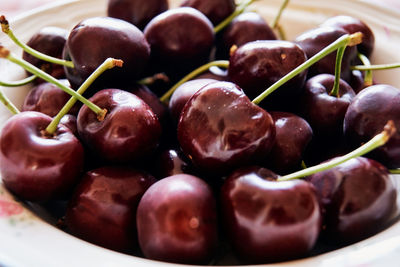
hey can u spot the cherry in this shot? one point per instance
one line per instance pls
(137, 12)
(366, 116)
(215, 10)
(257, 65)
(315, 40)
(266, 220)
(357, 199)
(50, 41)
(37, 166)
(214, 73)
(353, 25)
(103, 207)
(48, 99)
(177, 220)
(325, 112)
(183, 93)
(93, 40)
(129, 131)
(180, 39)
(293, 135)
(170, 162)
(70, 122)
(220, 129)
(246, 27)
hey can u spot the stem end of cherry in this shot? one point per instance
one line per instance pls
(118, 63)
(4, 52)
(5, 26)
(101, 115)
(389, 130)
(355, 39)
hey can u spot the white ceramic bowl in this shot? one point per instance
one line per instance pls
(28, 239)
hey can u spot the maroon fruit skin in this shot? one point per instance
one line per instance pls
(137, 12)
(293, 134)
(70, 122)
(352, 25)
(325, 112)
(103, 207)
(183, 93)
(315, 40)
(177, 220)
(34, 166)
(366, 116)
(257, 65)
(245, 28)
(266, 220)
(129, 131)
(170, 162)
(357, 199)
(215, 10)
(93, 40)
(47, 98)
(49, 41)
(181, 40)
(220, 129)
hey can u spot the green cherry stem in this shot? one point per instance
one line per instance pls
(376, 67)
(338, 68)
(199, 70)
(275, 24)
(346, 39)
(5, 53)
(5, 27)
(377, 141)
(18, 83)
(107, 64)
(239, 10)
(368, 81)
(395, 171)
(8, 104)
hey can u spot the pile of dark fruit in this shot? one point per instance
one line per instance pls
(203, 171)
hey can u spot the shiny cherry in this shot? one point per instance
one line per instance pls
(215, 10)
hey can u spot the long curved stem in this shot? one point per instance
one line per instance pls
(368, 73)
(8, 104)
(107, 64)
(275, 23)
(199, 70)
(239, 10)
(346, 39)
(5, 27)
(376, 67)
(377, 141)
(338, 69)
(18, 83)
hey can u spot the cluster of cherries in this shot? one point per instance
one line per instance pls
(173, 178)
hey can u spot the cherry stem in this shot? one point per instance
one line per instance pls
(198, 71)
(5, 27)
(338, 68)
(109, 63)
(349, 40)
(5, 53)
(275, 24)
(154, 78)
(239, 10)
(18, 83)
(368, 81)
(376, 67)
(8, 104)
(377, 141)
(395, 171)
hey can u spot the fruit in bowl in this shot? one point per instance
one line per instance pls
(215, 185)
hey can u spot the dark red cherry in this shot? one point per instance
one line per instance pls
(49, 41)
(177, 221)
(267, 220)
(170, 162)
(257, 65)
(215, 10)
(215, 73)
(103, 207)
(352, 25)
(129, 131)
(181, 40)
(323, 111)
(183, 93)
(70, 122)
(93, 40)
(48, 99)
(137, 12)
(220, 129)
(37, 166)
(366, 116)
(246, 27)
(357, 199)
(315, 40)
(293, 134)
